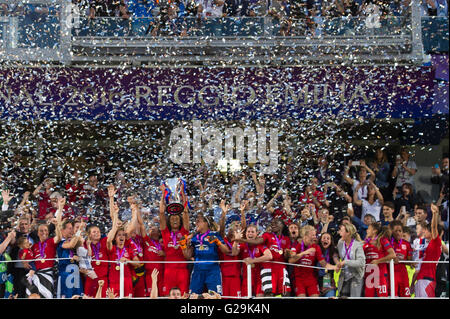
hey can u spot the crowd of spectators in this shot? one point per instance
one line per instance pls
(295, 17)
(263, 220)
(290, 17)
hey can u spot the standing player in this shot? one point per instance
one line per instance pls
(118, 252)
(426, 278)
(44, 252)
(378, 251)
(135, 242)
(231, 271)
(403, 252)
(307, 253)
(253, 255)
(274, 276)
(99, 253)
(174, 229)
(204, 247)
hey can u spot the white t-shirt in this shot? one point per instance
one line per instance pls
(362, 191)
(210, 9)
(373, 209)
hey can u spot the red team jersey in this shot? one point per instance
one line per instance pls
(172, 247)
(136, 244)
(99, 253)
(251, 251)
(306, 282)
(26, 254)
(403, 251)
(47, 249)
(114, 271)
(277, 245)
(231, 272)
(151, 249)
(175, 274)
(278, 283)
(311, 259)
(229, 269)
(432, 253)
(372, 252)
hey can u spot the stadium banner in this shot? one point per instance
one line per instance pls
(104, 94)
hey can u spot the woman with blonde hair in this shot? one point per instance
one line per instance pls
(352, 262)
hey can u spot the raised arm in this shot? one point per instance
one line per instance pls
(59, 213)
(346, 177)
(369, 170)
(356, 200)
(133, 224)
(111, 193)
(269, 206)
(114, 210)
(140, 221)
(223, 217)
(11, 236)
(154, 293)
(434, 221)
(243, 208)
(162, 209)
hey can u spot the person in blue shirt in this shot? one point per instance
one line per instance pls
(204, 246)
(69, 281)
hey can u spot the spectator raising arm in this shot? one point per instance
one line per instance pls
(11, 236)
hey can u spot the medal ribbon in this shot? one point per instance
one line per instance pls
(251, 252)
(348, 249)
(137, 244)
(200, 238)
(278, 241)
(156, 244)
(96, 250)
(174, 238)
(42, 249)
(122, 252)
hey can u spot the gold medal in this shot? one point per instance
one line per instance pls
(253, 265)
(97, 263)
(42, 261)
(117, 267)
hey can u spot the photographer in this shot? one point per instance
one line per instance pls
(440, 176)
(404, 169)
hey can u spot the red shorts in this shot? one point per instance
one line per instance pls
(276, 286)
(306, 286)
(256, 283)
(139, 287)
(401, 284)
(231, 286)
(127, 285)
(91, 286)
(376, 284)
(175, 277)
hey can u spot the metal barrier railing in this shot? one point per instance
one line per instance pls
(249, 272)
(60, 34)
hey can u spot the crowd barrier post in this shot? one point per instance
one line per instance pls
(122, 275)
(249, 281)
(392, 277)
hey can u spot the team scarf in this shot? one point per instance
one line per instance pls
(41, 283)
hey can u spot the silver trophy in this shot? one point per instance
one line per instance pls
(174, 195)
